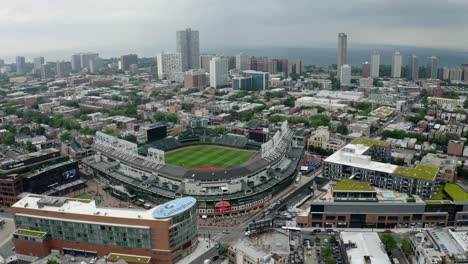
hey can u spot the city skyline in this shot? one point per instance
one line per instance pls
(23, 22)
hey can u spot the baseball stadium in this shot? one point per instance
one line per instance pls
(228, 174)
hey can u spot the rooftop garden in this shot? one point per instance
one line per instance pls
(31, 233)
(370, 142)
(456, 192)
(352, 185)
(422, 172)
(114, 257)
(438, 202)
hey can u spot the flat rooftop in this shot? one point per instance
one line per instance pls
(80, 206)
(370, 142)
(456, 192)
(368, 244)
(424, 172)
(352, 185)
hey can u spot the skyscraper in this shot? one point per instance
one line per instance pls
(20, 64)
(456, 74)
(187, 42)
(218, 72)
(86, 58)
(2, 63)
(169, 63)
(342, 46)
(366, 69)
(241, 61)
(45, 71)
(345, 77)
(396, 65)
(76, 62)
(298, 66)
(205, 61)
(60, 69)
(432, 63)
(413, 68)
(127, 60)
(38, 62)
(375, 64)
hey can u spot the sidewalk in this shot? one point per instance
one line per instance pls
(201, 249)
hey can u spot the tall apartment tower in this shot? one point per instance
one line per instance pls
(20, 64)
(432, 64)
(242, 62)
(60, 69)
(76, 62)
(366, 70)
(127, 60)
(38, 62)
(168, 64)
(345, 77)
(218, 72)
(413, 67)
(342, 46)
(375, 64)
(396, 65)
(187, 42)
(298, 66)
(45, 71)
(205, 61)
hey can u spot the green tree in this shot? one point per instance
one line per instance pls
(40, 131)
(52, 261)
(389, 242)
(9, 139)
(330, 261)
(333, 239)
(28, 146)
(342, 129)
(317, 239)
(406, 247)
(25, 130)
(327, 252)
(131, 138)
(290, 101)
(66, 136)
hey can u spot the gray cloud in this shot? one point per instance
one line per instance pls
(34, 26)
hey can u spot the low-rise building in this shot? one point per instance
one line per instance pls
(364, 247)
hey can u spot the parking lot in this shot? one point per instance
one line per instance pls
(322, 246)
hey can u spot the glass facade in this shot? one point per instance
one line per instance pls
(184, 227)
(92, 233)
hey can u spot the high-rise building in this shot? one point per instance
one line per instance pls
(96, 65)
(366, 70)
(205, 61)
(445, 73)
(463, 66)
(456, 74)
(86, 58)
(396, 64)
(20, 64)
(241, 61)
(342, 47)
(231, 62)
(283, 66)
(45, 71)
(2, 63)
(218, 72)
(38, 62)
(195, 79)
(76, 62)
(187, 42)
(375, 64)
(169, 63)
(345, 78)
(260, 80)
(273, 66)
(290, 67)
(262, 64)
(127, 60)
(413, 68)
(298, 66)
(60, 69)
(432, 67)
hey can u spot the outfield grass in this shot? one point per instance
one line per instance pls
(90, 197)
(208, 156)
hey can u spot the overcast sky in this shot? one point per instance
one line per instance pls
(35, 26)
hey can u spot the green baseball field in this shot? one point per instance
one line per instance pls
(207, 157)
